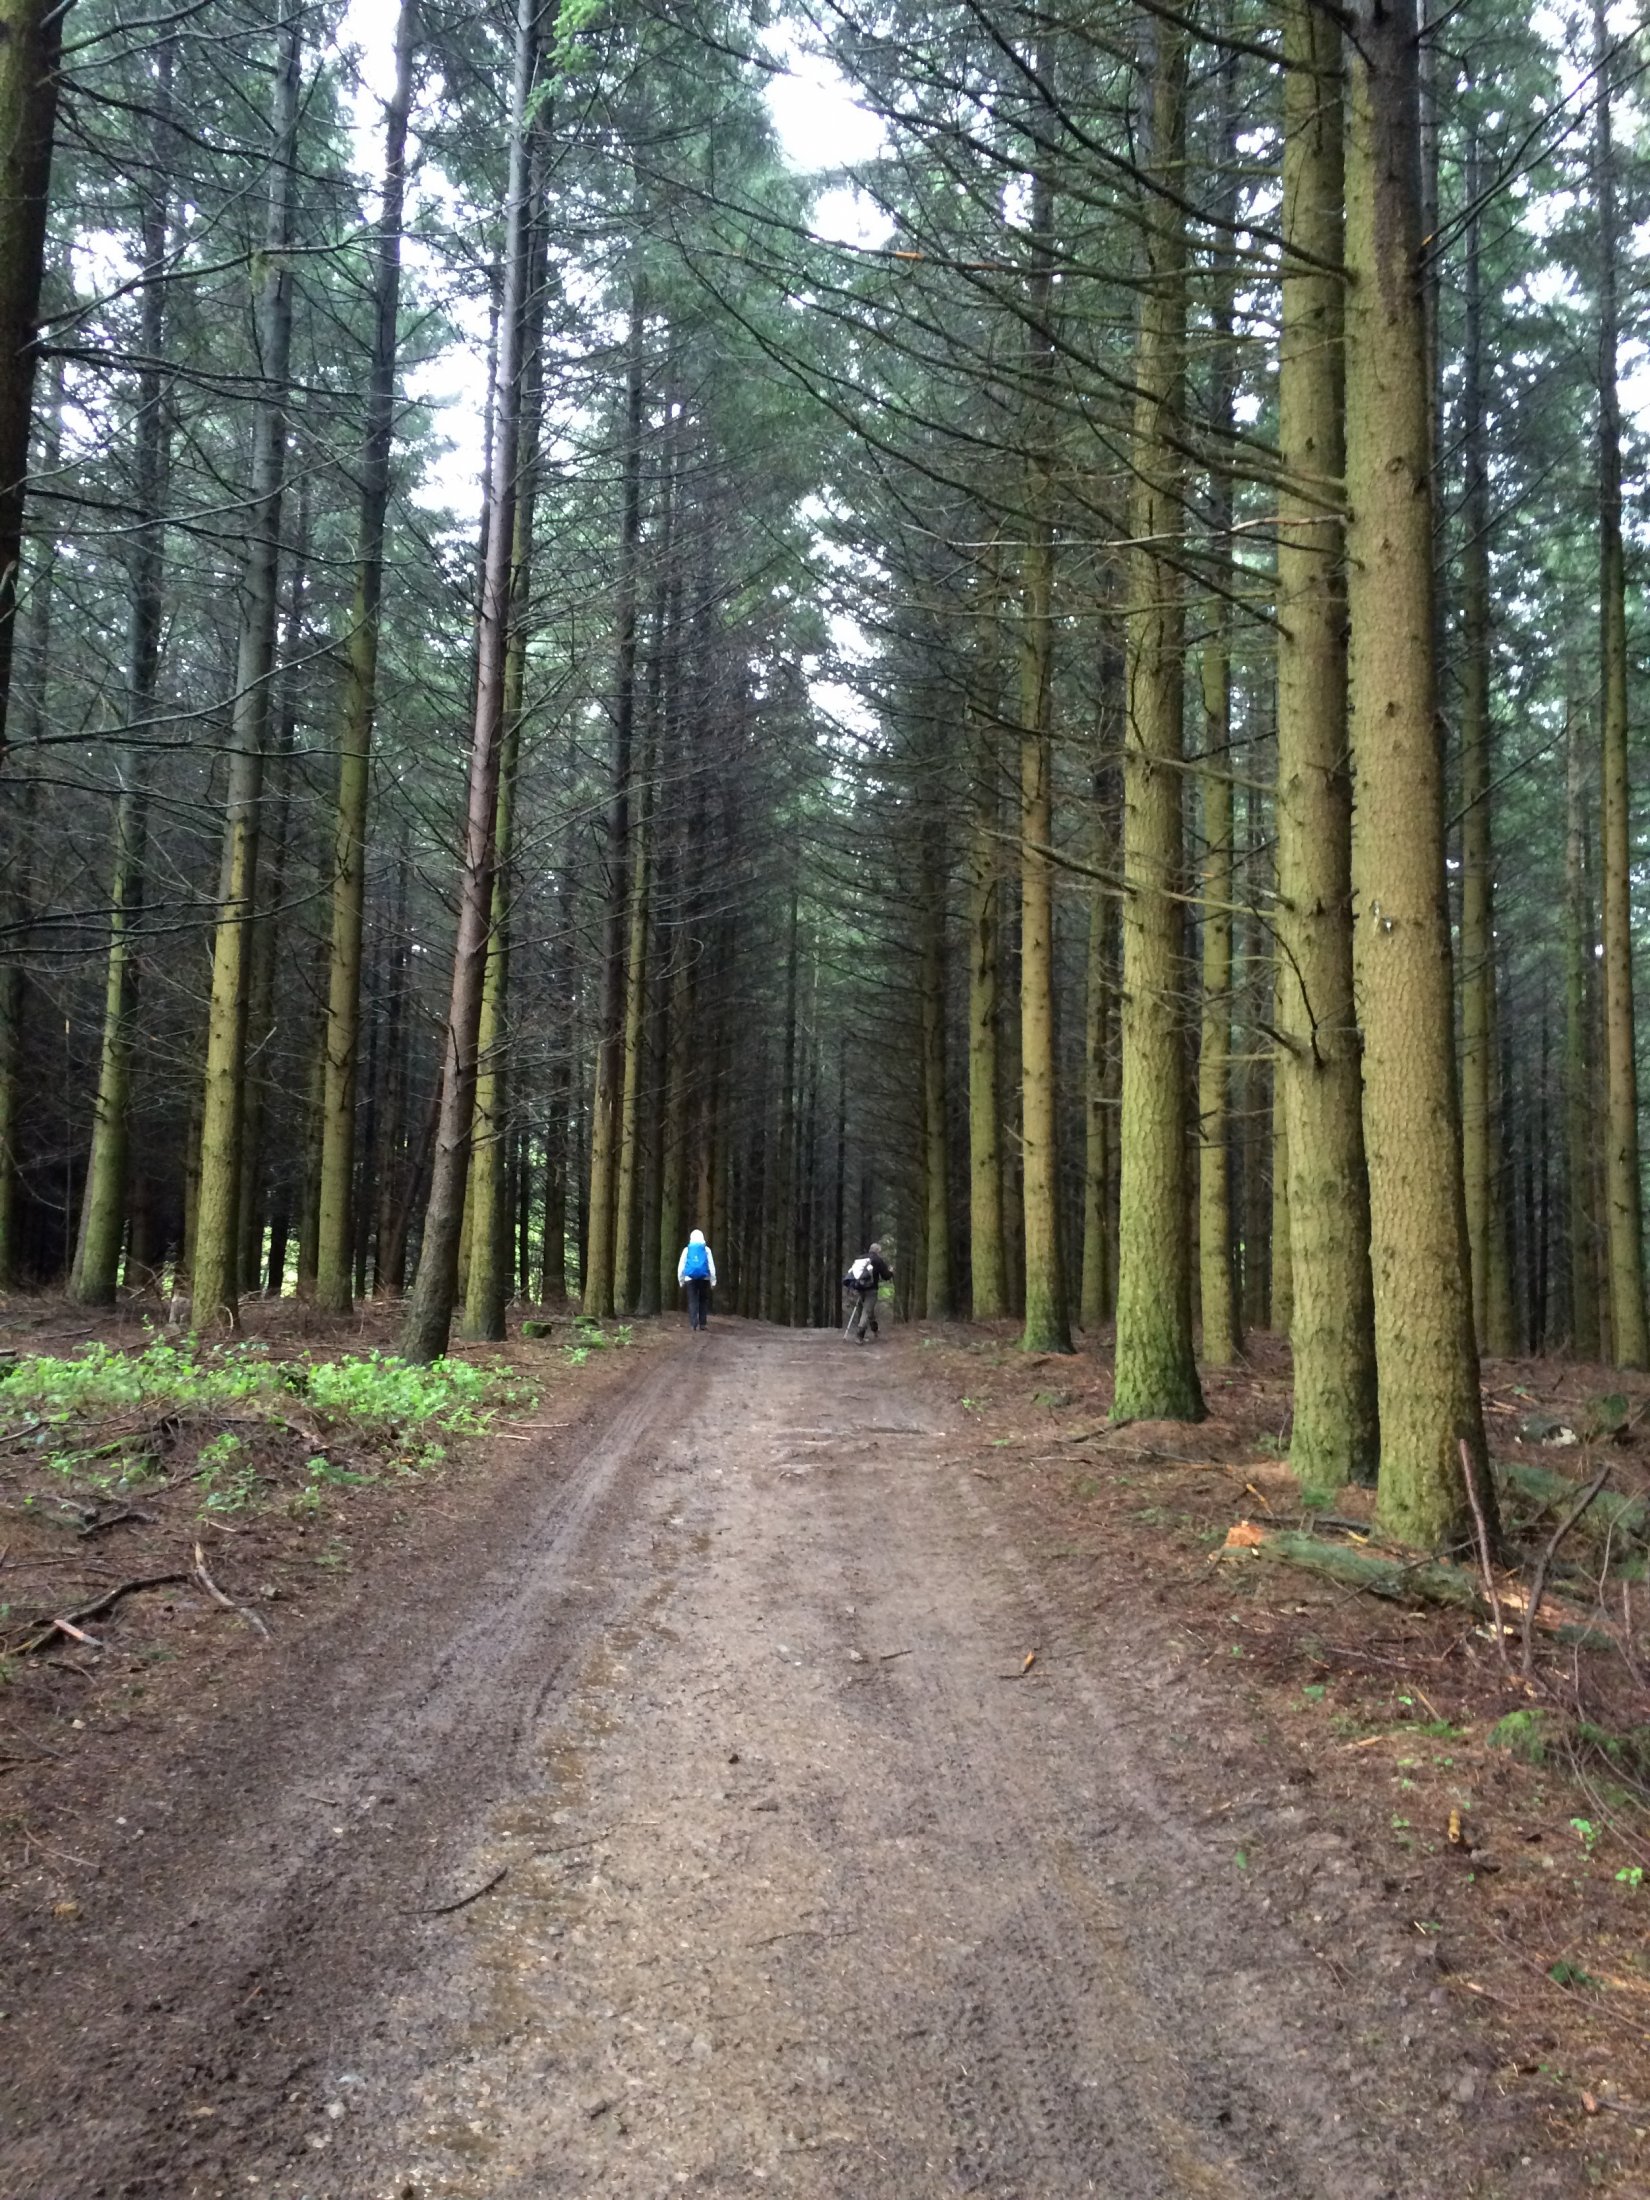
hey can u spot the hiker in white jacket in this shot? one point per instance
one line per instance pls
(697, 1269)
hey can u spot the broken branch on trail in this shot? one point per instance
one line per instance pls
(446, 1909)
(69, 1621)
(216, 1594)
(1587, 1497)
(1398, 1580)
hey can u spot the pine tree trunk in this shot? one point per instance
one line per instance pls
(599, 1272)
(31, 669)
(1336, 1433)
(103, 1214)
(309, 1210)
(784, 1248)
(629, 1256)
(428, 1323)
(420, 1154)
(1260, 1153)
(1280, 1244)
(1222, 1332)
(262, 1022)
(1218, 1299)
(485, 1278)
(1623, 1211)
(1046, 1327)
(988, 1283)
(31, 37)
(679, 1095)
(1480, 1125)
(1426, 1354)
(359, 708)
(553, 1262)
(214, 1276)
(17, 909)
(1579, 1086)
(1098, 1050)
(633, 1049)
(391, 1160)
(1156, 1374)
(936, 1159)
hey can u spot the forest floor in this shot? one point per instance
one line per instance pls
(771, 1765)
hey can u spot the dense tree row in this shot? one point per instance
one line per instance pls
(1086, 728)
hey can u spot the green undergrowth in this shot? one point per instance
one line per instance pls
(1541, 1735)
(589, 1336)
(108, 1422)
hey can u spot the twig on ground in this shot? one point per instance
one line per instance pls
(1539, 1582)
(34, 1842)
(114, 1520)
(218, 1597)
(76, 1634)
(1469, 1475)
(1627, 1633)
(806, 1932)
(885, 1655)
(446, 1909)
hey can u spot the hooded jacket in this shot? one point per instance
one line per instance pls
(696, 1237)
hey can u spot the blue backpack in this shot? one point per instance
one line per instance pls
(696, 1263)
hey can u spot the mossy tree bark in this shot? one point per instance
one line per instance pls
(214, 1277)
(1426, 1353)
(359, 708)
(1156, 1372)
(1336, 1429)
(429, 1316)
(1623, 1210)
(1280, 1248)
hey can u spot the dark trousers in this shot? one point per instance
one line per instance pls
(698, 1291)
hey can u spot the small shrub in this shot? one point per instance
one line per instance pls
(1526, 1735)
(1565, 1973)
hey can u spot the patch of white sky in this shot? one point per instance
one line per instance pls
(822, 130)
(825, 132)
(1567, 32)
(452, 380)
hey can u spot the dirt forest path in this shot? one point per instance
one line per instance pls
(793, 1882)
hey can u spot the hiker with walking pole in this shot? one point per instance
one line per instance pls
(862, 1283)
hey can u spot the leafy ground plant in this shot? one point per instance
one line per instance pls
(108, 1421)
